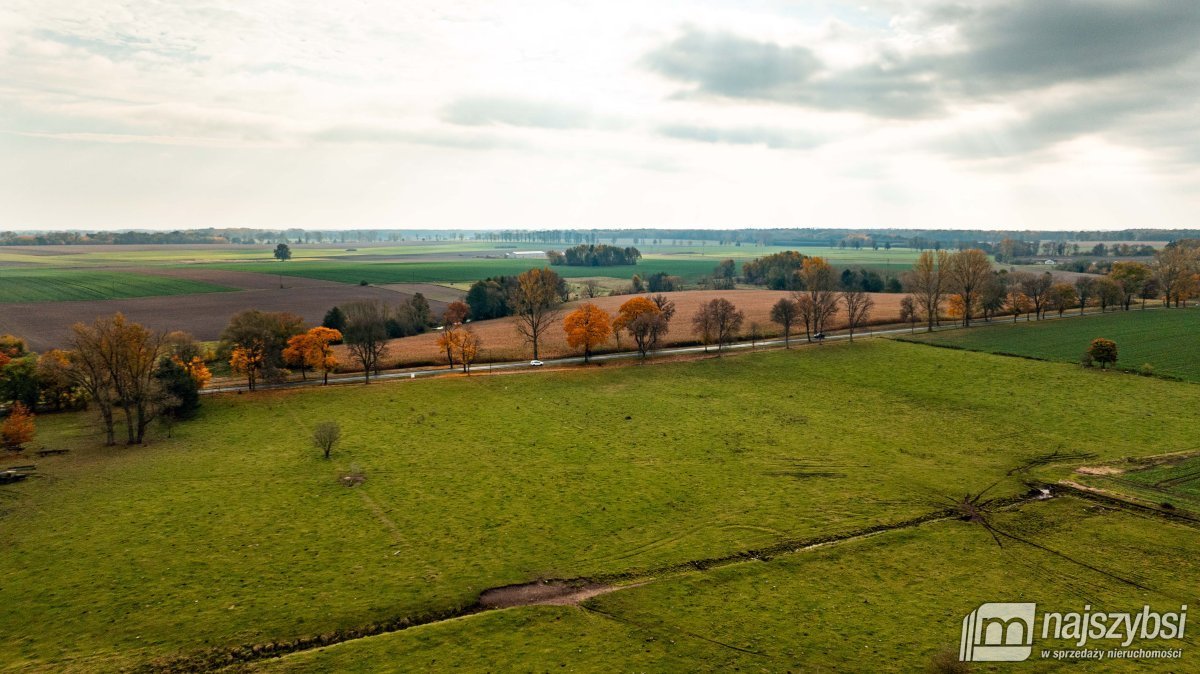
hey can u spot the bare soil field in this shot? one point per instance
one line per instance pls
(501, 341)
(46, 325)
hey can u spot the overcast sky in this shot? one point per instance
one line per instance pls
(1030, 114)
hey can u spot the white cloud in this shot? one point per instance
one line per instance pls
(540, 113)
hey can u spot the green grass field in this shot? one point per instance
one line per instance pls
(54, 285)
(147, 255)
(1168, 340)
(895, 260)
(465, 271)
(235, 531)
(886, 603)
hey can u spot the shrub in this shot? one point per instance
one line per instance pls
(947, 662)
(1086, 360)
(18, 428)
(1103, 351)
(325, 436)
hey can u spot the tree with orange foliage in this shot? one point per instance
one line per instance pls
(955, 306)
(248, 361)
(643, 320)
(320, 351)
(18, 428)
(456, 313)
(196, 369)
(295, 354)
(587, 327)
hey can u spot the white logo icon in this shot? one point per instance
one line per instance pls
(998, 633)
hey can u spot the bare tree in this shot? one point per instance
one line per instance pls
(908, 312)
(967, 272)
(728, 320)
(366, 334)
(536, 300)
(590, 289)
(89, 370)
(1085, 290)
(818, 301)
(755, 333)
(115, 362)
(662, 324)
(325, 436)
(927, 284)
(858, 308)
(1037, 289)
(703, 324)
(785, 313)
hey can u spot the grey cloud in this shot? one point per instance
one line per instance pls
(1036, 43)
(727, 65)
(746, 135)
(485, 111)
(1012, 47)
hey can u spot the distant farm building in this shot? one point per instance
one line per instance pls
(526, 253)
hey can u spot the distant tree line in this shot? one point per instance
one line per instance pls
(964, 286)
(595, 255)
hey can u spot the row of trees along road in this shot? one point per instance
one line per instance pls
(964, 285)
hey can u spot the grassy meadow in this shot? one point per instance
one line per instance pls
(888, 603)
(56, 285)
(1167, 340)
(235, 531)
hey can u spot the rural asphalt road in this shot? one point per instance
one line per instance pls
(574, 360)
(356, 378)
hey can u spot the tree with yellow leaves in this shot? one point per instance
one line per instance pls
(466, 344)
(445, 342)
(587, 327)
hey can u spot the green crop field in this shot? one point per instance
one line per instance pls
(464, 271)
(235, 531)
(887, 603)
(50, 285)
(1168, 340)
